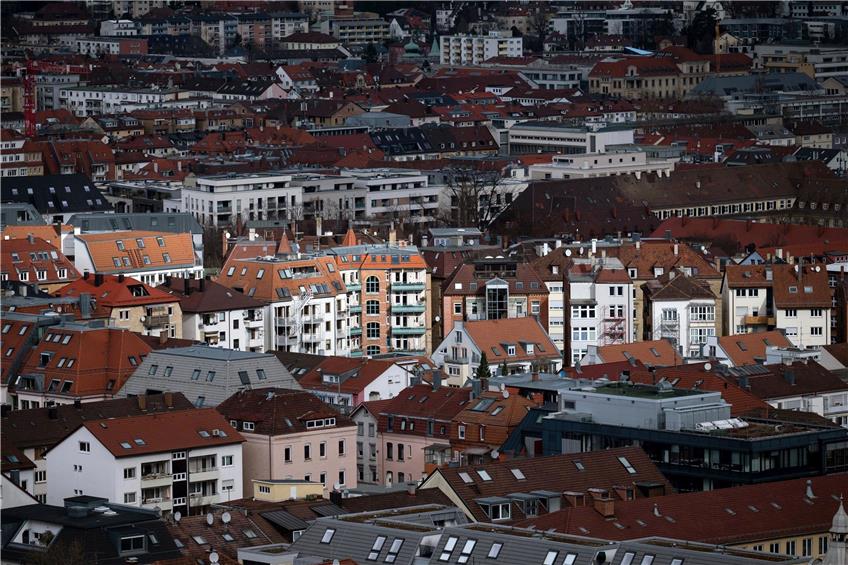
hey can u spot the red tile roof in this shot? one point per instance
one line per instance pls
(161, 432)
(657, 353)
(750, 348)
(723, 516)
(797, 379)
(421, 402)
(116, 292)
(493, 336)
(116, 252)
(362, 372)
(33, 256)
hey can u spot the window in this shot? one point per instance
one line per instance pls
(168, 371)
(372, 285)
(307, 452)
(322, 449)
(41, 476)
(500, 511)
(569, 559)
(129, 498)
(391, 557)
(806, 547)
(816, 312)
(376, 548)
(372, 307)
(628, 558)
(791, 313)
(372, 330)
(495, 550)
(790, 548)
(630, 469)
(133, 543)
(195, 374)
(328, 535)
(120, 245)
(84, 447)
(226, 460)
(551, 557)
(460, 430)
(817, 330)
(248, 426)
(647, 560)
(457, 308)
(129, 472)
(448, 549)
(342, 447)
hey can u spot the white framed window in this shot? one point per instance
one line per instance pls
(84, 447)
(129, 497)
(226, 461)
(129, 473)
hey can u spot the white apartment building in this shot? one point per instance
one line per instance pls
(86, 101)
(474, 50)
(181, 461)
(96, 46)
(48, 89)
(217, 200)
(356, 29)
(331, 196)
(792, 298)
(393, 193)
(119, 28)
(284, 24)
(552, 137)
(682, 310)
(610, 163)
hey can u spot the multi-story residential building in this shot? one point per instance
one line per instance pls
(147, 256)
(218, 200)
(36, 261)
(689, 435)
(493, 288)
(392, 194)
(57, 197)
(39, 429)
(292, 435)
(509, 345)
(284, 24)
(17, 157)
(624, 161)
(206, 375)
(61, 369)
(119, 28)
(552, 137)
(795, 299)
(388, 296)
(128, 303)
(182, 461)
(87, 101)
(308, 301)
(804, 386)
(682, 310)
(600, 300)
(330, 196)
(413, 431)
(357, 29)
(474, 50)
(366, 416)
(484, 424)
(218, 316)
(345, 383)
(95, 47)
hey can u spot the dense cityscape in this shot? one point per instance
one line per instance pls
(330, 282)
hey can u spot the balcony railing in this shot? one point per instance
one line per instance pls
(759, 321)
(408, 308)
(408, 331)
(355, 331)
(354, 287)
(156, 321)
(155, 476)
(407, 287)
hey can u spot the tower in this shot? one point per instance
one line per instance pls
(837, 547)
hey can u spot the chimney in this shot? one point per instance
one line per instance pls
(85, 275)
(779, 252)
(676, 249)
(336, 497)
(163, 337)
(809, 494)
(789, 376)
(638, 245)
(85, 305)
(475, 388)
(319, 227)
(604, 506)
(436, 378)
(53, 413)
(169, 399)
(202, 284)
(392, 234)
(30, 239)
(410, 489)
(534, 376)
(121, 277)
(155, 166)
(594, 246)
(98, 279)
(656, 512)
(77, 403)
(142, 402)
(186, 286)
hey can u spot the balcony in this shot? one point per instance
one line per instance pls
(284, 322)
(156, 321)
(407, 308)
(356, 309)
(355, 331)
(456, 360)
(408, 331)
(758, 320)
(407, 287)
(156, 480)
(255, 321)
(311, 338)
(354, 287)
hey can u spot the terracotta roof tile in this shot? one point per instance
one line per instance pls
(35, 256)
(493, 336)
(117, 291)
(115, 252)
(797, 379)
(207, 296)
(657, 353)
(750, 348)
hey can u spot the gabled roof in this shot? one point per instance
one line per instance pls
(494, 337)
(495, 409)
(557, 473)
(201, 296)
(673, 287)
(353, 373)
(55, 194)
(37, 428)
(731, 516)
(750, 348)
(163, 432)
(807, 287)
(797, 379)
(33, 256)
(116, 252)
(696, 377)
(278, 411)
(657, 353)
(116, 292)
(421, 401)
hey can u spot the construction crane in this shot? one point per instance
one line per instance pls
(33, 68)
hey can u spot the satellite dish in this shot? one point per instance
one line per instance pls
(225, 517)
(568, 252)
(178, 516)
(818, 269)
(505, 393)
(495, 454)
(142, 318)
(210, 519)
(213, 557)
(708, 366)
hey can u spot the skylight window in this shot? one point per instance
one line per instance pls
(518, 474)
(569, 559)
(199, 540)
(328, 535)
(467, 549)
(391, 557)
(139, 441)
(627, 465)
(628, 558)
(448, 549)
(250, 534)
(484, 475)
(551, 557)
(647, 560)
(126, 445)
(376, 548)
(466, 478)
(579, 466)
(495, 550)
(497, 410)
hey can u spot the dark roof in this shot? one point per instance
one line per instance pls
(797, 379)
(207, 296)
(149, 221)
(278, 411)
(672, 286)
(600, 469)
(55, 194)
(44, 427)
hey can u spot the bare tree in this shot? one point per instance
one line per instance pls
(473, 196)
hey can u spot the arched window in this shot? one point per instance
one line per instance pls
(372, 285)
(372, 307)
(372, 330)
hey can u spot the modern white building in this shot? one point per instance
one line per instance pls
(181, 461)
(610, 163)
(217, 200)
(330, 196)
(394, 193)
(474, 49)
(119, 28)
(87, 101)
(682, 310)
(553, 137)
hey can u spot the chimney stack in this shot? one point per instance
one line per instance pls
(186, 286)
(319, 226)
(168, 399)
(163, 337)
(809, 494)
(98, 279)
(85, 305)
(676, 249)
(121, 277)
(410, 489)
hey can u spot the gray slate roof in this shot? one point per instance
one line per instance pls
(770, 82)
(230, 370)
(154, 221)
(23, 214)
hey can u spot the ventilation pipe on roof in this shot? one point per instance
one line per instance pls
(809, 494)
(85, 305)
(98, 279)
(676, 249)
